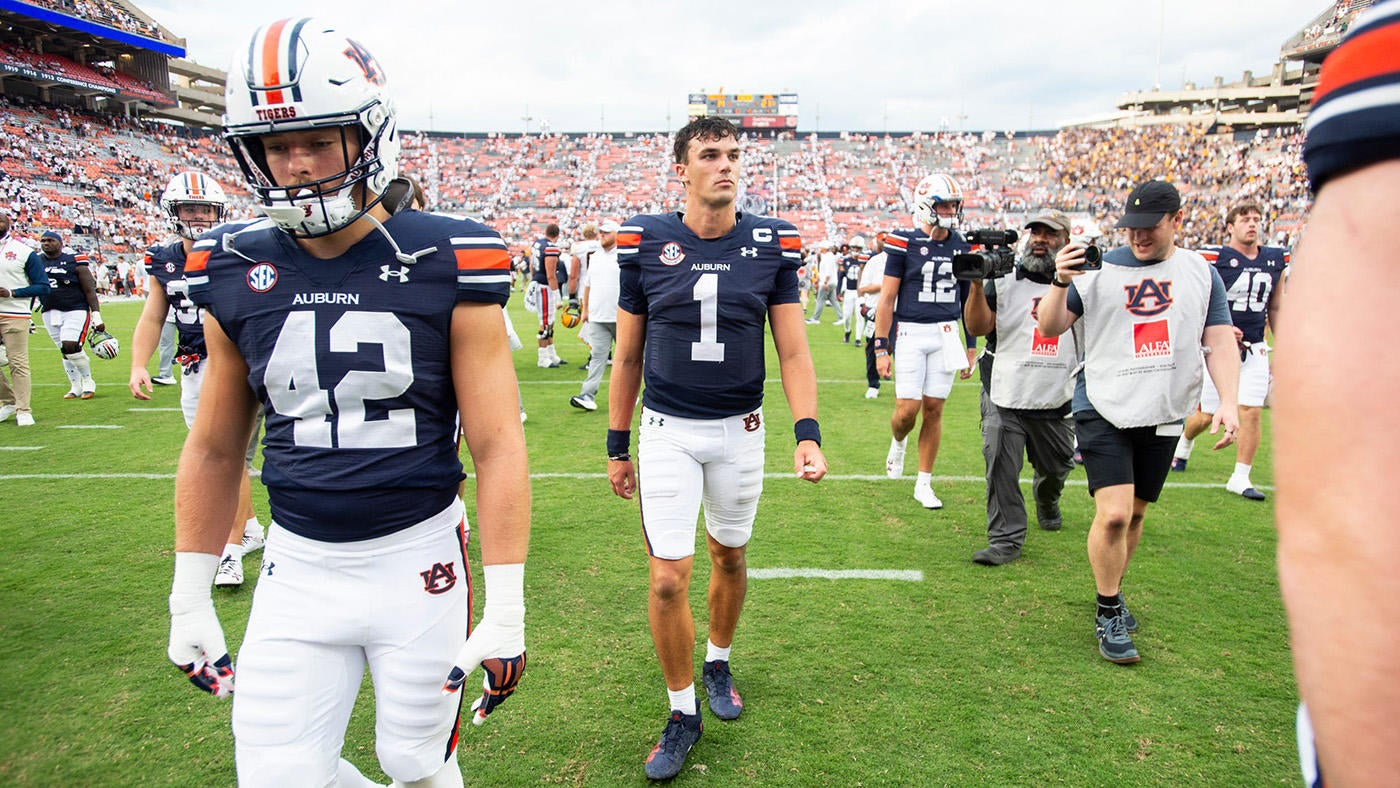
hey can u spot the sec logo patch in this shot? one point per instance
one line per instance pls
(262, 277)
(671, 253)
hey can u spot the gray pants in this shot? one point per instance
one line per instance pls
(167, 350)
(826, 295)
(600, 338)
(1007, 438)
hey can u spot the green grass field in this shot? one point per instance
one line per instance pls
(973, 676)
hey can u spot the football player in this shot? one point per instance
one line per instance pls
(1253, 276)
(920, 292)
(851, 267)
(71, 310)
(193, 204)
(696, 289)
(545, 261)
(364, 334)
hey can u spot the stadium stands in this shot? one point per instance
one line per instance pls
(99, 174)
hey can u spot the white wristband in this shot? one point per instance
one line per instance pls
(505, 588)
(194, 573)
(97, 318)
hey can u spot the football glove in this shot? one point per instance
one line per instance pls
(197, 645)
(497, 643)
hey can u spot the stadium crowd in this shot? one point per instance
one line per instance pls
(96, 176)
(109, 14)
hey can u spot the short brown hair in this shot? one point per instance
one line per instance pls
(705, 128)
(1244, 207)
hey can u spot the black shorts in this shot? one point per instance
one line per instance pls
(1113, 456)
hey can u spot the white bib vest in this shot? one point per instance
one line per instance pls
(1029, 371)
(1143, 328)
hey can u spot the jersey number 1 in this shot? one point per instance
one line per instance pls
(709, 348)
(294, 386)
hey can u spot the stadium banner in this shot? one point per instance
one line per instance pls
(34, 73)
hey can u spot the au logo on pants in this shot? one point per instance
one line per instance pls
(440, 579)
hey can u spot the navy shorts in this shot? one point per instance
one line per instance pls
(1138, 455)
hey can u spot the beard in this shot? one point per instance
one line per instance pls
(1043, 264)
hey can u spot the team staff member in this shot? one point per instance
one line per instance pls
(921, 293)
(1253, 276)
(22, 277)
(872, 276)
(696, 289)
(365, 333)
(599, 313)
(1146, 314)
(1334, 419)
(193, 204)
(1027, 379)
(71, 310)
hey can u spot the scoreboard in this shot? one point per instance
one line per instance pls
(748, 111)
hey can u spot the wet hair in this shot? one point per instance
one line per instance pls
(706, 128)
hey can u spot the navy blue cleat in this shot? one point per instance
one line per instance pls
(719, 685)
(668, 756)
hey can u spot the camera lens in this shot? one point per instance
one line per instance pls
(1092, 254)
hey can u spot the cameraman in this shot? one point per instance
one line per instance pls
(1147, 311)
(1026, 386)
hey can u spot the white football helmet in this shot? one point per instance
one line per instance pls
(856, 242)
(192, 188)
(104, 345)
(932, 190)
(298, 75)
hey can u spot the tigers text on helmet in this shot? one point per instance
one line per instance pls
(301, 75)
(933, 190)
(192, 188)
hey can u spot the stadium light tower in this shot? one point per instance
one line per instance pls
(527, 117)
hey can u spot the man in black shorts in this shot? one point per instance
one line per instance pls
(1146, 313)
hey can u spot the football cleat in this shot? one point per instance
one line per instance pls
(894, 461)
(72, 394)
(1178, 465)
(925, 496)
(230, 574)
(252, 543)
(1243, 488)
(583, 402)
(872, 393)
(719, 685)
(667, 758)
(89, 388)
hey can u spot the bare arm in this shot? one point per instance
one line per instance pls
(551, 272)
(623, 385)
(484, 378)
(211, 464)
(978, 317)
(1223, 364)
(1052, 314)
(1335, 459)
(146, 337)
(89, 286)
(799, 383)
(884, 318)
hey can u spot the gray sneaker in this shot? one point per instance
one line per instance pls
(996, 555)
(1048, 515)
(1114, 643)
(1129, 620)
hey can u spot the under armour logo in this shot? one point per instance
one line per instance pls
(267, 570)
(656, 421)
(400, 274)
(439, 579)
(748, 251)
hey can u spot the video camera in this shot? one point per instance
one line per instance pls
(997, 258)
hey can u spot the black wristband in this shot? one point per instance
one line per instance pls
(624, 457)
(619, 441)
(880, 343)
(1055, 280)
(807, 430)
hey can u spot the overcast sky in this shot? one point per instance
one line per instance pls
(855, 64)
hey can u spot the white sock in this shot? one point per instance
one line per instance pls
(348, 776)
(899, 443)
(81, 365)
(1242, 471)
(553, 353)
(71, 370)
(1184, 447)
(924, 480)
(544, 354)
(713, 652)
(234, 551)
(253, 527)
(683, 700)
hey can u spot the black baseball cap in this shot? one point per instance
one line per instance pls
(1148, 203)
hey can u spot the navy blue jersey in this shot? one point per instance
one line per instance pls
(65, 289)
(539, 250)
(850, 271)
(1249, 284)
(350, 358)
(706, 303)
(166, 264)
(928, 292)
